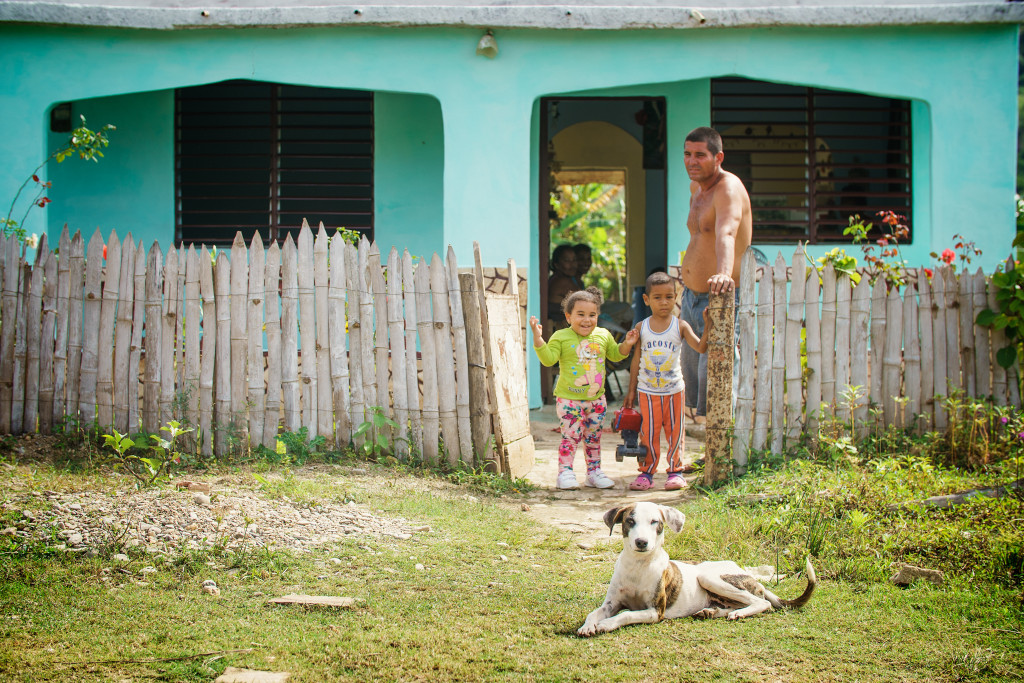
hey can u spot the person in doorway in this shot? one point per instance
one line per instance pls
(561, 282)
(720, 226)
(584, 261)
(656, 381)
(580, 351)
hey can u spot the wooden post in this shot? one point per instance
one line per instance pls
(135, 350)
(965, 284)
(911, 358)
(746, 317)
(939, 364)
(223, 415)
(375, 278)
(721, 347)
(254, 342)
(982, 362)
(763, 394)
(461, 360)
(207, 353)
(431, 424)
(291, 390)
(46, 350)
(445, 360)
(108, 311)
(355, 339)
(412, 377)
(366, 325)
(338, 343)
(999, 384)
(828, 337)
(239, 342)
(924, 315)
(812, 303)
(843, 294)
(272, 308)
(154, 294)
(480, 411)
(90, 329)
(34, 320)
(123, 332)
(859, 309)
(794, 373)
(190, 376)
(892, 358)
(324, 397)
(779, 356)
(168, 339)
(400, 386)
(953, 346)
(60, 346)
(76, 278)
(20, 351)
(878, 310)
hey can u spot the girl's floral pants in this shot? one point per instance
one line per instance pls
(580, 421)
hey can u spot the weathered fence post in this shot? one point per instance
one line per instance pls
(746, 317)
(763, 394)
(480, 411)
(721, 347)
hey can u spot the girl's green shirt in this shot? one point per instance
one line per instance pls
(581, 362)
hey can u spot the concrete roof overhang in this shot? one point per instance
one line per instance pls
(508, 14)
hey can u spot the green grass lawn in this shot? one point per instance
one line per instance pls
(471, 615)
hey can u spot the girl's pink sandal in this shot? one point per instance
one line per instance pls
(641, 483)
(674, 483)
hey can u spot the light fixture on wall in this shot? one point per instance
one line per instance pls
(488, 46)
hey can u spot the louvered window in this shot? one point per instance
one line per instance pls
(261, 157)
(811, 158)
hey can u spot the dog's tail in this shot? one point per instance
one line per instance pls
(812, 582)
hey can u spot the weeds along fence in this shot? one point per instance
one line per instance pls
(864, 354)
(113, 335)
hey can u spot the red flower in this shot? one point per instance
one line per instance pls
(882, 242)
(35, 178)
(948, 255)
(43, 201)
(928, 272)
(104, 252)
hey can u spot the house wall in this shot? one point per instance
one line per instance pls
(961, 79)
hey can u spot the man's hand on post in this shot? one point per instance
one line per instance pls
(720, 283)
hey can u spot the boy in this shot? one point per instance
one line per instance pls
(656, 380)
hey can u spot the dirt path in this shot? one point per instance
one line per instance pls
(580, 512)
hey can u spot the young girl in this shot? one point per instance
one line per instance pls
(655, 378)
(580, 351)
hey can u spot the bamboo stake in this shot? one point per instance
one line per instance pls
(375, 278)
(289, 336)
(939, 364)
(859, 308)
(207, 352)
(254, 345)
(168, 341)
(338, 343)
(271, 281)
(154, 295)
(412, 373)
(911, 358)
(763, 394)
(794, 322)
(500, 463)
(843, 293)
(191, 361)
(60, 347)
(480, 411)
(355, 339)
(924, 315)
(400, 386)
(1012, 378)
(966, 316)
(76, 278)
(445, 361)
(324, 397)
(179, 339)
(91, 327)
(891, 361)
(108, 311)
(34, 320)
(223, 414)
(812, 298)
(828, 337)
(982, 362)
(46, 349)
(461, 360)
(431, 417)
(366, 326)
(135, 387)
(746, 319)
(123, 332)
(778, 356)
(239, 336)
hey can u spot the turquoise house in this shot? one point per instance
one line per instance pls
(427, 126)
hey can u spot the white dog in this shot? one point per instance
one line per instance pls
(647, 586)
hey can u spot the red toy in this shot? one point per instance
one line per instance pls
(629, 422)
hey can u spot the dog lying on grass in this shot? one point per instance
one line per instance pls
(647, 586)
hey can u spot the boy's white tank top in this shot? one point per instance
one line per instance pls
(660, 371)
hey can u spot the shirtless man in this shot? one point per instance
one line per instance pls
(720, 231)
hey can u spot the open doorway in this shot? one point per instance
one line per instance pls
(602, 185)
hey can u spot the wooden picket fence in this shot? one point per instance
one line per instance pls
(313, 333)
(875, 356)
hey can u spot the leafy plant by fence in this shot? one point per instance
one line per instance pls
(867, 354)
(312, 334)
